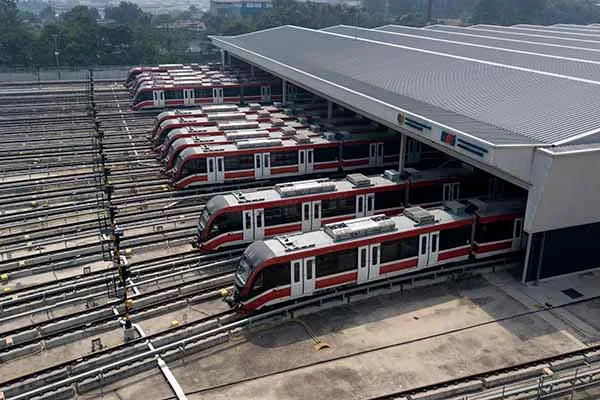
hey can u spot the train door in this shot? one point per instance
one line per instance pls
(428, 249)
(311, 216)
(302, 277)
(413, 153)
(158, 97)
(365, 205)
(374, 251)
(306, 161)
(217, 95)
(363, 264)
(375, 153)
(265, 94)
(253, 224)
(451, 191)
(214, 170)
(292, 92)
(517, 234)
(188, 97)
(262, 165)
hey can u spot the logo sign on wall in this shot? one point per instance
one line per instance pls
(448, 138)
(401, 119)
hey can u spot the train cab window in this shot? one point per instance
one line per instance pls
(248, 221)
(194, 166)
(306, 212)
(228, 222)
(399, 249)
(457, 237)
(258, 282)
(316, 211)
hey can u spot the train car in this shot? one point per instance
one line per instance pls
(300, 155)
(134, 72)
(250, 116)
(267, 131)
(201, 111)
(190, 93)
(303, 206)
(353, 252)
(333, 200)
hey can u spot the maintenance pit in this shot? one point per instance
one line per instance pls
(388, 343)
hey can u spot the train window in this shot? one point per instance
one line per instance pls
(251, 91)
(399, 249)
(380, 150)
(391, 199)
(202, 93)
(297, 271)
(257, 158)
(248, 220)
(211, 165)
(353, 151)
(259, 220)
(220, 164)
(231, 92)
(316, 211)
(434, 239)
(266, 161)
(283, 214)
(306, 212)
(372, 150)
(457, 237)
(363, 258)
(301, 157)
(423, 245)
(324, 154)
(494, 231)
(228, 222)
(360, 206)
(174, 94)
(369, 203)
(258, 281)
(279, 159)
(194, 166)
(375, 255)
(425, 194)
(391, 148)
(309, 156)
(337, 207)
(333, 263)
(242, 161)
(309, 269)
(272, 277)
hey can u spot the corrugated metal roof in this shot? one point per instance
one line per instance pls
(556, 28)
(496, 103)
(523, 44)
(584, 43)
(504, 55)
(534, 31)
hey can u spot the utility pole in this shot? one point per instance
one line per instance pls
(56, 53)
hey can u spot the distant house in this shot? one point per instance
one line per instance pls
(240, 7)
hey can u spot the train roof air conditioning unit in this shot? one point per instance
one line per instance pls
(301, 139)
(360, 227)
(305, 187)
(359, 180)
(392, 175)
(419, 215)
(256, 143)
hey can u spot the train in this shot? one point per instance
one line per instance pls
(241, 217)
(134, 72)
(249, 118)
(299, 155)
(372, 248)
(191, 93)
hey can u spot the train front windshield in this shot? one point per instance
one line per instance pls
(203, 221)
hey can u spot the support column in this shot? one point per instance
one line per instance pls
(229, 59)
(402, 156)
(284, 87)
(527, 255)
(222, 59)
(329, 110)
(252, 71)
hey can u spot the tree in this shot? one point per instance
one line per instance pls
(125, 13)
(48, 13)
(15, 39)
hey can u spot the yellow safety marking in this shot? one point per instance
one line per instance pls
(224, 292)
(128, 251)
(165, 187)
(4, 277)
(7, 289)
(321, 346)
(174, 323)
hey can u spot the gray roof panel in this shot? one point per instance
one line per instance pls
(556, 28)
(539, 37)
(523, 44)
(495, 103)
(534, 31)
(579, 69)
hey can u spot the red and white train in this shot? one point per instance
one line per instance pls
(371, 248)
(134, 72)
(266, 158)
(242, 217)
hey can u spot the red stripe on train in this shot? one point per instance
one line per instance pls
(397, 266)
(284, 170)
(486, 248)
(336, 280)
(282, 229)
(275, 294)
(213, 244)
(239, 174)
(454, 253)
